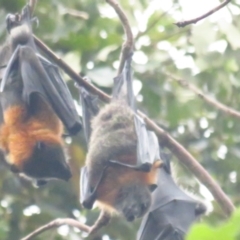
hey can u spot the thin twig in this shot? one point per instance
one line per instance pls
(57, 223)
(195, 20)
(76, 13)
(230, 111)
(103, 220)
(193, 165)
(127, 46)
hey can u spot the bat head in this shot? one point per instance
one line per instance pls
(48, 161)
(133, 201)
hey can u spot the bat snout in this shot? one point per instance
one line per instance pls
(135, 210)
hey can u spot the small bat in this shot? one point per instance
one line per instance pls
(123, 156)
(35, 103)
(172, 210)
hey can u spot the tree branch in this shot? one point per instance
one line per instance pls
(230, 111)
(103, 220)
(127, 46)
(32, 4)
(192, 164)
(77, 78)
(195, 20)
(76, 13)
(57, 223)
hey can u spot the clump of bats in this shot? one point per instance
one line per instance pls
(125, 171)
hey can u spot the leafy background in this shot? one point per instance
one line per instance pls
(205, 54)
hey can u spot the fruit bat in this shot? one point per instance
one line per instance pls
(35, 106)
(123, 156)
(172, 210)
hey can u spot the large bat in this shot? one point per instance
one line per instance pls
(172, 210)
(35, 103)
(123, 156)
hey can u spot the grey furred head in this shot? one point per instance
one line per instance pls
(133, 201)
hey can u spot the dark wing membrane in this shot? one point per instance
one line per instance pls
(90, 108)
(148, 148)
(67, 112)
(37, 80)
(88, 192)
(122, 88)
(172, 210)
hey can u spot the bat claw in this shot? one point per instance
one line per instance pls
(152, 187)
(88, 203)
(145, 167)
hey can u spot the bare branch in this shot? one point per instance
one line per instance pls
(193, 165)
(32, 4)
(76, 13)
(103, 220)
(57, 223)
(230, 111)
(195, 20)
(77, 78)
(127, 46)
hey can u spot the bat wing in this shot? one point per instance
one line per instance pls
(122, 88)
(59, 96)
(90, 108)
(147, 149)
(39, 76)
(172, 210)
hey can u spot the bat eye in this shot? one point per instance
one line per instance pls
(40, 145)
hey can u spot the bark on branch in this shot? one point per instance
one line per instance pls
(195, 20)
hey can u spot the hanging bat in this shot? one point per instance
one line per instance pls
(123, 156)
(35, 106)
(172, 210)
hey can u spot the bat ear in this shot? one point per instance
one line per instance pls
(14, 169)
(152, 187)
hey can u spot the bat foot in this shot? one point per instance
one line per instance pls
(152, 187)
(88, 203)
(145, 167)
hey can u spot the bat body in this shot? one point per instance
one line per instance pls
(172, 210)
(118, 175)
(35, 106)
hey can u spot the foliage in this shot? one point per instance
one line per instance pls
(206, 54)
(229, 230)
